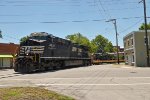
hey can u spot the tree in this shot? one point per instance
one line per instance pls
(102, 44)
(23, 39)
(142, 27)
(93, 47)
(109, 47)
(1, 34)
(80, 39)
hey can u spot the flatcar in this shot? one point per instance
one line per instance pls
(99, 58)
(43, 51)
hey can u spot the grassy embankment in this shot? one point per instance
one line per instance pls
(30, 93)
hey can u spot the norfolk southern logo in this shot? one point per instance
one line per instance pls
(32, 49)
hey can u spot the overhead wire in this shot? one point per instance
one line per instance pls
(106, 12)
(99, 10)
(77, 21)
(74, 21)
(139, 21)
(14, 38)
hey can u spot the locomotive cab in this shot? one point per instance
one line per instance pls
(30, 52)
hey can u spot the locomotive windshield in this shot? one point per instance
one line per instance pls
(39, 37)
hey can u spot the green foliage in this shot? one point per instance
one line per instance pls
(142, 27)
(80, 39)
(23, 39)
(109, 47)
(99, 44)
(1, 34)
(93, 47)
(102, 44)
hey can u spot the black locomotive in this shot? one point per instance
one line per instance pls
(43, 51)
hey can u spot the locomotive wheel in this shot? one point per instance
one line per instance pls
(85, 63)
(63, 65)
(58, 66)
(28, 67)
(16, 67)
(46, 68)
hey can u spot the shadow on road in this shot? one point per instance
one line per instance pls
(10, 75)
(3, 69)
(54, 70)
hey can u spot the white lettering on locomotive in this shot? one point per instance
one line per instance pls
(31, 49)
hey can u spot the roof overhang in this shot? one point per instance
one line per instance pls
(6, 56)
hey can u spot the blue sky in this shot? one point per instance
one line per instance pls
(19, 18)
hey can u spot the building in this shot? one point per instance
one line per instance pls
(7, 54)
(135, 48)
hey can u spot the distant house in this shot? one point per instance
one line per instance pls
(135, 48)
(7, 54)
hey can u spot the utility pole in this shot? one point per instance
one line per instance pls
(79, 36)
(115, 25)
(146, 35)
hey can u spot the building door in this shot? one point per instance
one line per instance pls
(130, 59)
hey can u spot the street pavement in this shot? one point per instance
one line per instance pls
(97, 82)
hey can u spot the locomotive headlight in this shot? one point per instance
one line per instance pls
(27, 54)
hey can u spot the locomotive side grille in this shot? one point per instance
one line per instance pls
(31, 49)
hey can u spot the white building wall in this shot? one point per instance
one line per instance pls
(5, 62)
(136, 54)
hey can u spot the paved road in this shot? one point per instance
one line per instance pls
(97, 82)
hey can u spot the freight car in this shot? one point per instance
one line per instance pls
(43, 51)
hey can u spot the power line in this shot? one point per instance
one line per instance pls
(99, 10)
(107, 14)
(116, 1)
(73, 21)
(65, 13)
(60, 3)
(14, 38)
(139, 21)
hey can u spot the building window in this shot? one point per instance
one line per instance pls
(145, 40)
(128, 43)
(132, 41)
(132, 58)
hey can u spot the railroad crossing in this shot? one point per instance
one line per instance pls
(97, 82)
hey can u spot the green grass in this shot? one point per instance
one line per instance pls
(30, 93)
